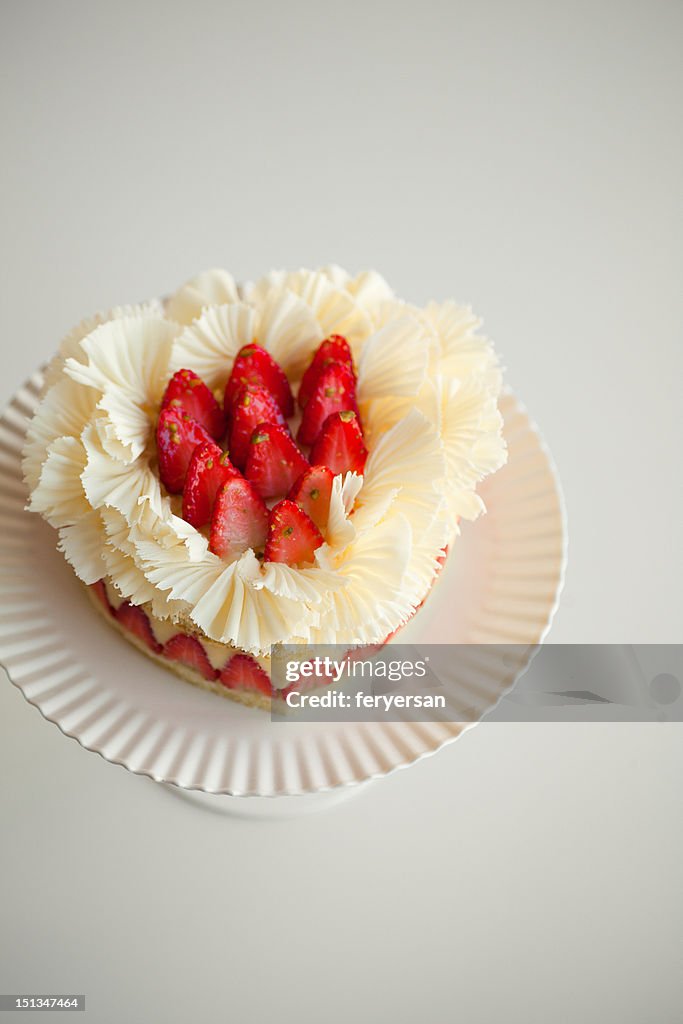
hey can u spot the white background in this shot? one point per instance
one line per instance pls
(524, 158)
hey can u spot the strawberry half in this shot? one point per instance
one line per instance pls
(292, 536)
(252, 406)
(334, 349)
(244, 673)
(239, 520)
(256, 367)
(274, 462)
(208, 470)
(334, 391)
(312, 493)
(340, 444)
(188, 392)
(133, 619)
(188, 651)
(100, 591)
(177, 437)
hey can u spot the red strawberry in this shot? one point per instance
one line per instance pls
(208, 470)
(312, 493)
(334, 349)
(187, 392)
(321, 677)
(340, 444)
(177, 437)
(188, 651)
(256, 367)
(253, 405)
(274, 461)
(243, 672)
(132, 618)
(239, 520)
(100, 592)
(335, 390)
(292, 536)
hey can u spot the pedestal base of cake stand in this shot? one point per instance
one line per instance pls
(266, 807)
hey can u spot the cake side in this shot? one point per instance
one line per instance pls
(250, 690)
(99, 595)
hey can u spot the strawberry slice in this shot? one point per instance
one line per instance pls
(177, 437)
(340, 444)
(334, 391)
(188, 651)
(274, 462)
(322, 677)
(100, 591)
(312, 493)
(244, 673)
(292, 536)
(134, 619)
(334, 349)
(252, 406)
(239, 520)
(208, 470)
(256, 367)
(188, 393)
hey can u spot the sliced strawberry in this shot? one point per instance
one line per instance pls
(285, 691)
(322, 676)
(340, 444)
(334, 349)
(244, 673)
(208, 470)
(334, 391)
(274, 462)
(292, 536)
(188, 392)
(312, 493)
(188, 651)
(239, 520)
(177, 437)
(132, 618)
(100, 592)
(252, 406)
(256, 367)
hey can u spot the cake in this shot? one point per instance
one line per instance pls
(283, 461)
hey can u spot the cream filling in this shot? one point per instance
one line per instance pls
(164, 629)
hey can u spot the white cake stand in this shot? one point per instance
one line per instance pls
(501, 584)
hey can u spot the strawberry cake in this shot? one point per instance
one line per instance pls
(283, 461)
